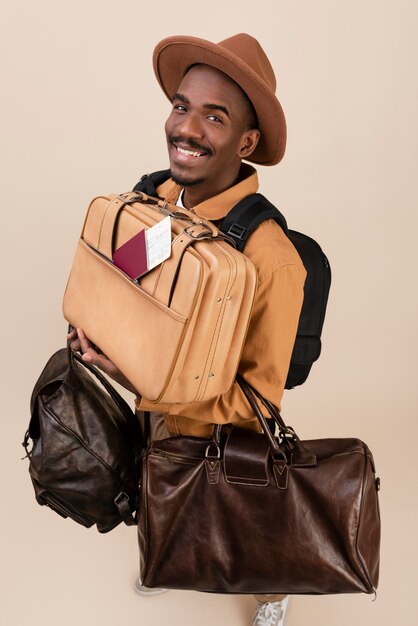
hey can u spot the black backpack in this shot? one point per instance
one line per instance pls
(240, 222)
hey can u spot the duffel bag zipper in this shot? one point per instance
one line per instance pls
(175, 458)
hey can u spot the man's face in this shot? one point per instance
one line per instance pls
(206, 130)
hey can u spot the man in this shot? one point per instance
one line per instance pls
(224, 111)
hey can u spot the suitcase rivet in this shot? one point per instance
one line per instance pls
(196, 377)
(228, 297)
(211, 374)
(219, 300)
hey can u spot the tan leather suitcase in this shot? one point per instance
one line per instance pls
(177, 333)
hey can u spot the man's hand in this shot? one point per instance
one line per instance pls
(92, 354)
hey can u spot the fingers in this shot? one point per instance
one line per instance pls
(91, 354)
(78, 341)
(73, 340)
(84, 342)
(98, 359)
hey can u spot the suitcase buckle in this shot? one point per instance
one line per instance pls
(203, 234)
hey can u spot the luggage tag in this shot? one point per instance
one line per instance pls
(145, 250)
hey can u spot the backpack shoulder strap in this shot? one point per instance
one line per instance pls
(245, 216)
(149, 182)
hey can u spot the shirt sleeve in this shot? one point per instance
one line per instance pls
(265, 358)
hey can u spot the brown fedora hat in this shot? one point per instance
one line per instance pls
(241, 58)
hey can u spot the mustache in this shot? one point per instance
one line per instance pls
(191, 143)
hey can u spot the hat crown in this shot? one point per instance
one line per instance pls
(248, 50)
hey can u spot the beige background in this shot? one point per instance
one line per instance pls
(82, 115)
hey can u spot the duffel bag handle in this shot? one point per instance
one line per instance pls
(250, 393)
(274, 446)
(262, 420)
(299, 456)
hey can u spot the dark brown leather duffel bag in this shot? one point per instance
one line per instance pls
(245, 514)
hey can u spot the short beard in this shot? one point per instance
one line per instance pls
(185, 182)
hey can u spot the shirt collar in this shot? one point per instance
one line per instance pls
(218, 206)
(180, 200)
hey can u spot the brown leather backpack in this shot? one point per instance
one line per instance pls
(84, 462)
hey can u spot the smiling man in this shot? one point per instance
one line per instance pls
(224, 111)
(207, 140)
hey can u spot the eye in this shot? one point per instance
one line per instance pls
(179, 107)
(215, 118)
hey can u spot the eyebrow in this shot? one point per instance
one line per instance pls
(209, 105)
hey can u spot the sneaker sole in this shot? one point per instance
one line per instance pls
(145, 591)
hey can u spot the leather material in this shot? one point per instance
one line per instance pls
(177, 334)
(84, 462)
(246, 458)
(239, 223)
(314, 528)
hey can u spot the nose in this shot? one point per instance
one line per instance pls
(190, 127)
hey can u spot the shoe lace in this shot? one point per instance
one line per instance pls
(269, 614)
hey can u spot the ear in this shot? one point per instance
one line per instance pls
(249, 141)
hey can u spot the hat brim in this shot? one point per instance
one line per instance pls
(174, 55)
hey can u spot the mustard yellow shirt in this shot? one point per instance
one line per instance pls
(273, 325)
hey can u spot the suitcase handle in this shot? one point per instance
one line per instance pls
(197, 228)
(168, 209)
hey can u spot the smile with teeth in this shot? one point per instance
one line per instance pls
(189, 152)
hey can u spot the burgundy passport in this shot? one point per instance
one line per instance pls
(131, 258)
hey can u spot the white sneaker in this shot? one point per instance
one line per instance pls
(147, 591)
(271, 613)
